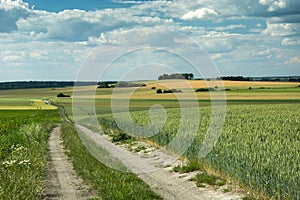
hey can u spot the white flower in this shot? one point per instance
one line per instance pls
(9, 163)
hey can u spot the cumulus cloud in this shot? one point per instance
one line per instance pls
(273, 5)
(202, 13)
(282, 29)
(11, 12)
(265, 29)
(270, 53)
(221, 42)
(79, 25)
(10, 4)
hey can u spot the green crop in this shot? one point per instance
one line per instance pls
(259, 146)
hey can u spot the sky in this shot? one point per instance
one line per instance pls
(54, 39)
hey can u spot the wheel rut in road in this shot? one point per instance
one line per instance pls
(155, 170)
(62, 181)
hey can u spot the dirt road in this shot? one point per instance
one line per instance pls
(62, 182)
(155, 170)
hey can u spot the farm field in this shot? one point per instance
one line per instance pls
(150, 99)
(259, 147)
(143, 98)
(25, 104)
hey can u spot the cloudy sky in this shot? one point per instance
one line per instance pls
(51, 39)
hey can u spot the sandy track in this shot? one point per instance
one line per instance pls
(62, 182)
(152, 169)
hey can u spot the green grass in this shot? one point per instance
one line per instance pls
(107, 182)
(203, 178)
(103, 106)
(259, 146)
(249, 198)
(14, 102)
(23, 152)
(190, 167)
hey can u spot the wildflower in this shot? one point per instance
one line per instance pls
(25, 162)
(9, 163)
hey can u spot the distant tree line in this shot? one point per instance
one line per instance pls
(107, 84)
(41, 84)
(235, 78)
(112, 84)
(160, 91)
(271, 78)
(187, 76)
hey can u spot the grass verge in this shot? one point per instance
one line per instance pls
(209, 179)
(190, 167)
(24, 152)
(107, 182)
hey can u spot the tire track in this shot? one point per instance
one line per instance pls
(154, 172)
(62, 182)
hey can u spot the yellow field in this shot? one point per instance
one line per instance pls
(181, 84)
(239, 90)
(35, 105)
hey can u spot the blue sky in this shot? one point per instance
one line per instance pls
(51, 39)
(59, 5)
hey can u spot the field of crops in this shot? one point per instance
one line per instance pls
(23, 152)
(24, 104)
(259, 146)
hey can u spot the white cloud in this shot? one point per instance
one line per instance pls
(273, 5)
(284, 29)
(39, 56)
(10, 4)
(12, 58)
(293, 60)
(202, 13)
(216, 56)
(10, 12)
(220, 42)
(79, 25)
(270, 53)
(290, 41)
(65, 38)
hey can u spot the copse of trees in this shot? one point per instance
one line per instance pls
(160, 91)
(187, 76)
(112, 84)
(130, 84)
(105, 85)
(235, 78)
(63, 95)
